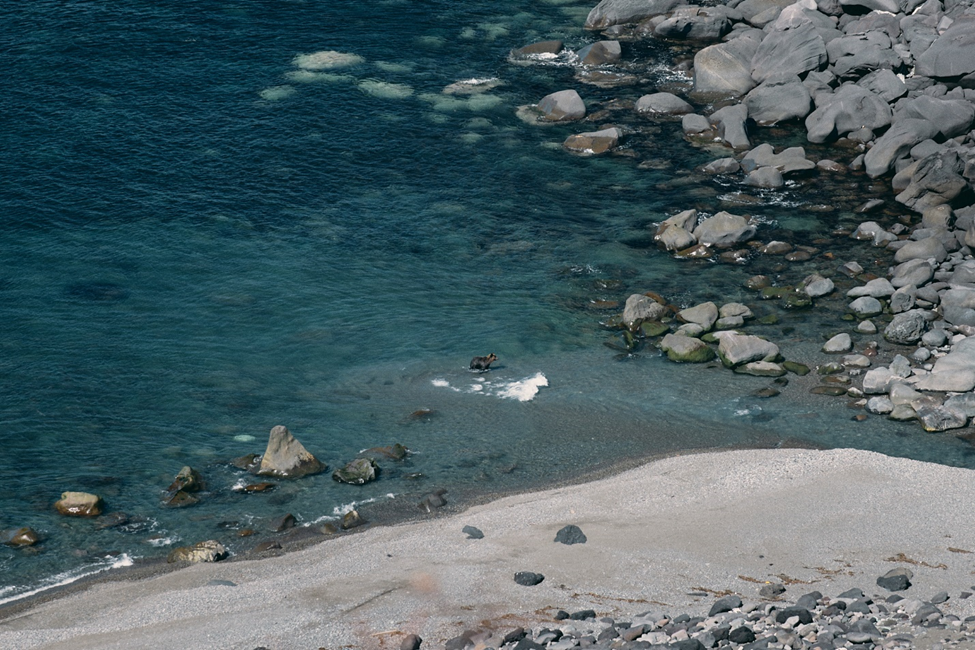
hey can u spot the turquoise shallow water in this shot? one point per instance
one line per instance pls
(200, 241)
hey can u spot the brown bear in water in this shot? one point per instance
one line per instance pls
(483, 364)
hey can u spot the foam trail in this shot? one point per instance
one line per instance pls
(66, 578)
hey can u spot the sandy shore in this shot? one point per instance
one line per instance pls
(658, 537)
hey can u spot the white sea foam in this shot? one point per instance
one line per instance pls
(327, 60)
(385, 89)
(341, 510)
(66, 578)
(244, 437)
(163, 541)
(523, 390)
(277, 93)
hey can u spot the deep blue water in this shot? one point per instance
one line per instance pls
(199, 241)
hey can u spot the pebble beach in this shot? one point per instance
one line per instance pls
(756, 530)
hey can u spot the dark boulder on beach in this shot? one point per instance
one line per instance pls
(285, 457)
(896, 579)
(725, 604)
(528, 579)
(570, 534)
(472, 532)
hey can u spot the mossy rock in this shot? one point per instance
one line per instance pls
(831, 368)
(358, 472)
(833, 391)
(775, 293)
(796, 368)
(685, 349)
(771, 319)
(654, 328)
(796, 300)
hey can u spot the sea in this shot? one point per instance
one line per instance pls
(219, 217)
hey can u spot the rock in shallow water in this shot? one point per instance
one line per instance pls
(358, 472)
(79, 504)
(286, 457)
(206, 551)
(686, 349)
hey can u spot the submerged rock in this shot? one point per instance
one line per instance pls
(286, 457)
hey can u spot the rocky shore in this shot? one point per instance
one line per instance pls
(886, 89)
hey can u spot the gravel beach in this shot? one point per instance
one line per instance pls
(671, 536)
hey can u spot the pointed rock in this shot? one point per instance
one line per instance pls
(286, 457)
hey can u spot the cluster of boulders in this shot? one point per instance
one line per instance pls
(929, 295)
(893, 80)
(895, 76)
(890, 83)
(851, 619)
(701, 333)
(284, 458)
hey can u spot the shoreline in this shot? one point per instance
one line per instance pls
(390, 515)
(827, 520)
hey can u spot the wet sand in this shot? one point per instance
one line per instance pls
(668, 536)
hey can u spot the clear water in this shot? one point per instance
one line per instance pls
(199, 241)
